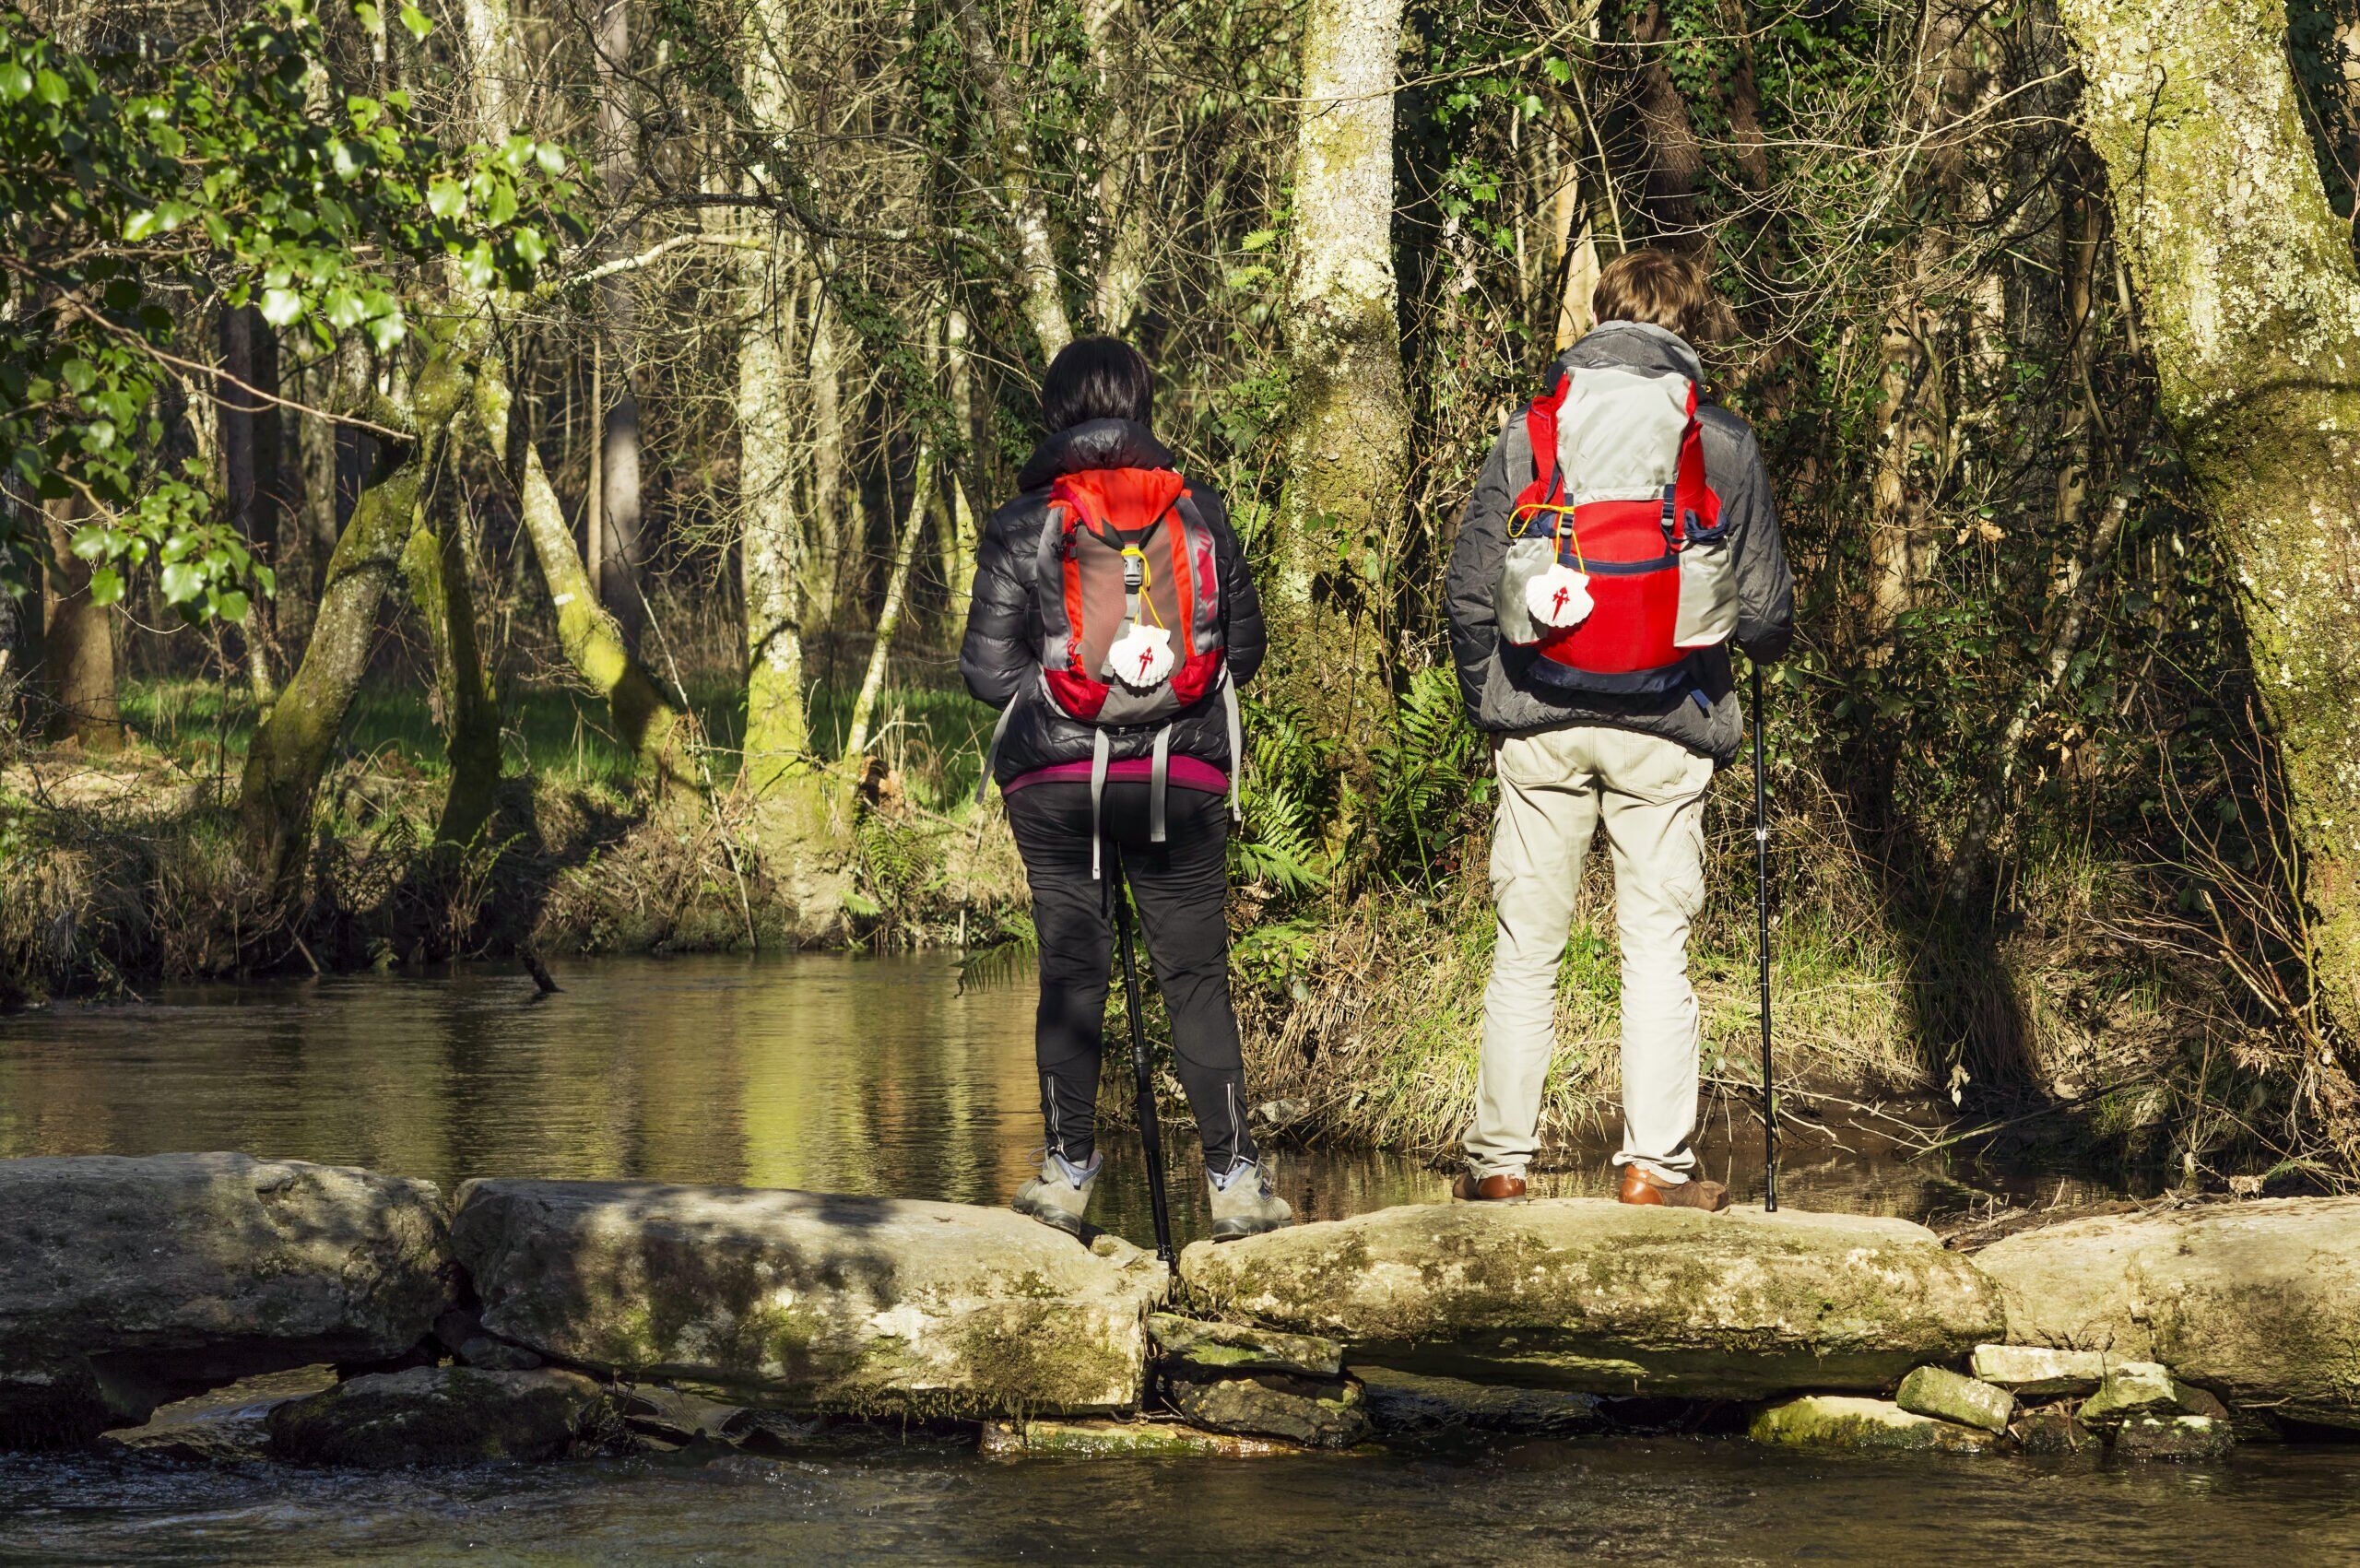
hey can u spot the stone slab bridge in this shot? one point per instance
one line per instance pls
(571, 1310)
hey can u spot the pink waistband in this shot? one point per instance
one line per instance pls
(1184, 772)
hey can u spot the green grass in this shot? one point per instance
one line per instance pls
(932, 738)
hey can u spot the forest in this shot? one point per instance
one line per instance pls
(501, 478)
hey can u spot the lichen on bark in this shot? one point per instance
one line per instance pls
(1349, 421)
(2246, 283)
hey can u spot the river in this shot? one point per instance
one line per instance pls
(884, 1076)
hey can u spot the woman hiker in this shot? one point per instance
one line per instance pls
(1112, 619)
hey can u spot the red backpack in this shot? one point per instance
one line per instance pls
(1127, 588)
(1618, 516)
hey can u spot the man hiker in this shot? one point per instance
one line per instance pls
(1112, 620)
(1619, 538)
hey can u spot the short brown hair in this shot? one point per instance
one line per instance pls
(1659, 287)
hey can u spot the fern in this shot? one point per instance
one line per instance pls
(1429, 773)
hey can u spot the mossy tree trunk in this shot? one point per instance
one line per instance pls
(1349, 438)
(438, 561)
(644, 719)
(2248, 288)
(290, 748)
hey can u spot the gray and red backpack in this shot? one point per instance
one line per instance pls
(1126, 587)
(1618, 500)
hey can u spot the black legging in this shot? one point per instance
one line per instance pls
(1181, 888)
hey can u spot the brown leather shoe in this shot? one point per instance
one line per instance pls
(1490, 1189)
(1693, 1192)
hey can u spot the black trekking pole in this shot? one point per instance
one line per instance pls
(1761, 943)
(1151, 1132)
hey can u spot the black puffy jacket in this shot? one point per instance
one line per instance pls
(1001, 657)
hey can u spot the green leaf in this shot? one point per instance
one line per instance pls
(141, 224)
(106, 585)
(282, 306)
(419, 25)
(231, 605)
(181, 583)
(15, 80)
(446, 197)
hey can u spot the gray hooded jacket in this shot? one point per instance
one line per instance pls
(1703, 717)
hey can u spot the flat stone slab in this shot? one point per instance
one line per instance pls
(2039, 1372)
(127, 1282)
(2255, 1301)
(1315, 1413)
(1122, 1440)
(1845, 1420)
(812, 1301)
(450, 1415)
(1214, 1349)
(1612, 1298)
(1406, 1404)
(1939, 1392)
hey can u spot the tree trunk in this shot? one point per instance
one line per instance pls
(1040, 295)
(1125, 245)
(1349, 438)
(644, 719)
(889, 618)
(249, 430)
(1673, 162)
(958, 536)
(823, 583)
(622, 553)
(437, 561)
(77, 649)
(291, 747)
(778, 740)
(2251, 303)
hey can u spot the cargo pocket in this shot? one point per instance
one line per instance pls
(1526, 559)
(1707, 586)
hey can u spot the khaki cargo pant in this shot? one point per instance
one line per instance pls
(1556, 787)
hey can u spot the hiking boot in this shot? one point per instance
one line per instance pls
(1060, 1194)
(1507, 1186)
(1244, 1203)
(1641, 1186)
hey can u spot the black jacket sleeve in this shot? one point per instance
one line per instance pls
(1766, 588)
(1475, 556)
(1244, 638)
(997, 657)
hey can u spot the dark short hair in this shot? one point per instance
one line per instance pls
(1097, 378)
(1655, 286)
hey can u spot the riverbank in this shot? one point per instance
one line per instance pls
(1360, 1003)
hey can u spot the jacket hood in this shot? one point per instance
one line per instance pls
(1634, 345)
(1093, 443)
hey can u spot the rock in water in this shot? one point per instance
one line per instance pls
(1843, 1420)
(2254, 1300)
(1313, 1413)
(1934, 1391)
(2037, 1371)
(448, 1415)
(127, 1282)
(2174, 1437)
(2138, 1389)
(1214, 1349)
(809, 1300)
(1121, 1440)
(1612, 1298)
(2052, 1431)
(1403, 1403)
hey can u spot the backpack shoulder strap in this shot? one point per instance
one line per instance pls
(1540, 427)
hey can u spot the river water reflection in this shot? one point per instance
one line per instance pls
(881, 1075)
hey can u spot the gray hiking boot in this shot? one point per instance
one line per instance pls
(1060, 1194)
(1244, 1203)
